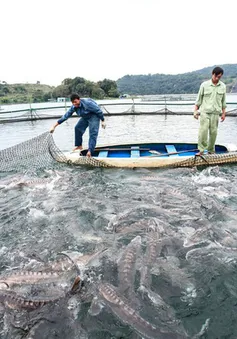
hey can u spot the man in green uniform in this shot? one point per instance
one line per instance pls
(211, 102)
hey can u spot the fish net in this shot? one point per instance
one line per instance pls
(195, 161)
(36, 153)
(207, 160)
(41, 152)
(93, 162)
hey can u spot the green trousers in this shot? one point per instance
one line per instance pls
(208, 123)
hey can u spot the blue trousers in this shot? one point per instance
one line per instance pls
(94, 123)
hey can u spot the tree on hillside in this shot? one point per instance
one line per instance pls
(173, 84)
(20, 89)
(86, 88)
(66, 81)
(75, 83)
(97, 93)
(109, 87)
(61, 91)
(4, 90)
(38, 96)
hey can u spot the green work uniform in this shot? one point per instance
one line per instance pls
(211, 101)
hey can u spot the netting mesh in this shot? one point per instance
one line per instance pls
(41, 152)
(85, 161)
(36, 153)
(196, 161)
(208, 160)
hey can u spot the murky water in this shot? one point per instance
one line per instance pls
(119, 129)
(190, 271)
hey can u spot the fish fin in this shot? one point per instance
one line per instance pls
(152, 296)
(71, 257)
(3, 285)
(155, 270)
(95, 307)
(77, 284)
(203, 330)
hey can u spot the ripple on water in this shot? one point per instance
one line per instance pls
(77, 209)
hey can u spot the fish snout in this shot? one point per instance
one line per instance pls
(3, 285)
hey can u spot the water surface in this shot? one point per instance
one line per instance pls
(83, 210)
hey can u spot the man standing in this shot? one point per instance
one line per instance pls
(90, 114)
(211, 101)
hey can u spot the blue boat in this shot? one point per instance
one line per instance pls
(146, 154)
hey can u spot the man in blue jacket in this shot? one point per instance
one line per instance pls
(90, 114)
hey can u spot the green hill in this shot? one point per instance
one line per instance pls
(175, 84)
(19, 93)
(130, 84)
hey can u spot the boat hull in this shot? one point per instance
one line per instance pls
(126, 162)
(118, 156)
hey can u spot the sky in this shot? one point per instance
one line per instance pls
(51, 40)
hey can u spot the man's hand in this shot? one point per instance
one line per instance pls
(103, 124)
(52, 129)
(223, 117)
(196, 114)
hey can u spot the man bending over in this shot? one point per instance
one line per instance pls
(90, 115)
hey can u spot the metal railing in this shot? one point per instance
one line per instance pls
(109, 109)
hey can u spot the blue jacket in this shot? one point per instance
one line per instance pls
(85, 109)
